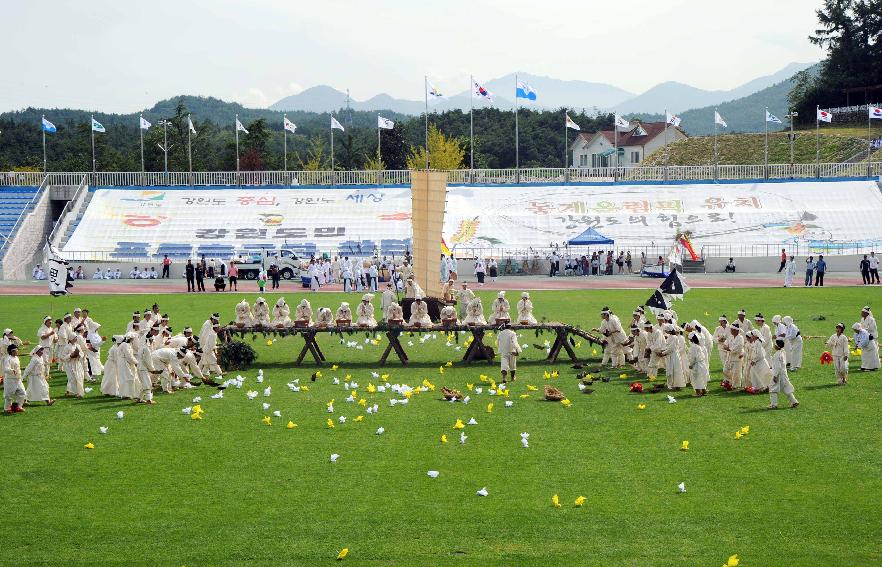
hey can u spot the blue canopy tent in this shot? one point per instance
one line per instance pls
(590, 238)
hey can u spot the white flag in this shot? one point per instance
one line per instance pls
(672, 119)
(622, 123)
(772, 118)
(290, 126)
(190, 125)
(97, 126)
(433, 92)
(337, 125)
(56, 270)
(384, 123)
(571, 124)
(239, 126)
(480, 91)
(719, 120)
(824, 116)
(144, 124)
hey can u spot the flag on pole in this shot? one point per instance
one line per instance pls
(524, 90)
(719, 120)
(48, 126)
(239, 126)
(290, 126)
(772, 118)
(190, 125)
(482, 92)
(824, 116)
(673, 286)
(145, 125)
(97, 127)
(621, 123)
(672, 119)
(337, 125)
(433, 92)
(570, 124)
(384, 123)
(56, 269)
(657, 303)
(875, 113)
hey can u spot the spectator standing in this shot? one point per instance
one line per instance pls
(609, 263)
(555, 264)
(190, 273)
(865, 270)
(200, 276)
(820, 270)
(783, 260)
(620, 263)
(874, 268)
(629, 262)
(166, 267)
(493, 269)
(234, 276)
(809, 271)
(274, 275)
(480, 270)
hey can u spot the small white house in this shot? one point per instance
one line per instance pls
(596, 150)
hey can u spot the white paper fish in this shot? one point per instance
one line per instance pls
(483, 492)
(681, 487)
(330, 408)
(102, 429)
(335, 381)
(672, 399)
(466, 400)
(260, 378)
(268, 392)
(197, 399)
(251, 394)
(433, 474)
(87, 390)
(479, 390)
(472, 422)
(462, 438)
(187, 410)
(219, 395)
(120, 414)
(334, 457)
(525, 443)
(508, 403)
(342, 419)
(266, 406)
(375, 374)
(277, 413)
(380, 430)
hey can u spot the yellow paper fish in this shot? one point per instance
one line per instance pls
(641, 406)
(738, 435)
(441, 370)
(545, 374)
(334, 367)
(304, 388)
(329, 404)
(459, 424)
(555, 501)
(375, 342)
(371, 388)
(555, 373)
(330, 423)
(745, 430)
(362, 402)
(318, 374)
(291, 425)
(469, 387)
(384, 377)
(348, 378)
(531, 388)
(269, 342)
(578, 344)
(196, 416)
(359, 418)
(565, 402)
(524, 396)
(89, 446)
(409, 394)
(267, 420)
(483, 377)
(197, 409)
(623, 375)
(343, 553)
(354, 393)
(448, 364)
(579, 501)
(684, 446)
(593, 351)
(489, 408)
(733, 561)
(444, 439)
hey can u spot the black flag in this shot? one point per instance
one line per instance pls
(657, 302)
(674, 286)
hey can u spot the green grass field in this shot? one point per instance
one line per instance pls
(801, 489)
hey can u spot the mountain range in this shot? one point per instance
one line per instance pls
(552, 94)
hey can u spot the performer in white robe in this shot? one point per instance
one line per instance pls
(861, 341)
(347, 276)
(344, 312)
(373, 276)
(448, 313)
(721, 333)
(168, 360)
(93, 356)
(780, 380)
(365, 312)
(386, 300)
(411, 288)
(208, 363)
(500, 310)
(261, 314)
(136, 321)
(789, 272)
(281, 314)
(870, 353)
(656, 343)
(394, 313)
(509, 349)
(313, 273)
(206, 326)
(419, 313)
(765, 333)
(743, 322)
(35, 374)
(358, 275)
(325, 318)
(444, 269)
(698, 364)
(71, 356)
(110, 382)
(733, 371)
(46, 338)
(525, 310)
(244, 316)
(793, 338)
(759, 371)
(838, 344)
(675, 378)
(303, 312)
(126, 367)
(475, 313)
(641, 350)
(191, 365)
(463, 297)
(14, 393)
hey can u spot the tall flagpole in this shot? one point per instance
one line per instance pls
(285, 133)
(92, 130)
(869, 140)
(566, 141)
(237, 143)
(426, 95)
(333, 173)
(43, 129)
(666, 144)
(517, 141)
(716, 154)
(766, 149)
(141, 129)
(190, 143)
(616, 142)
(472, 127)
(818, 140)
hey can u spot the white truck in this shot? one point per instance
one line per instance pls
(249, 264)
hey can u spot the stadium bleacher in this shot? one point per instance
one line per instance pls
(13, 201)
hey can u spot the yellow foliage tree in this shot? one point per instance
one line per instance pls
(444, 153)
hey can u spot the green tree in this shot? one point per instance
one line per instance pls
(444, 152)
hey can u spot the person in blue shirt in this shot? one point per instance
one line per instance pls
(809, 270)
(820, 269)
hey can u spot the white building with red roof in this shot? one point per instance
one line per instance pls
(641, 140)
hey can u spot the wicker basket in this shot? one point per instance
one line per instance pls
(395, 322)
(301, 323)
(448, 322)
(450, 394)
(344, 322)
(553, 394)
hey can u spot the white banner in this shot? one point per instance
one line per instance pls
(813, 213)
(56, 271)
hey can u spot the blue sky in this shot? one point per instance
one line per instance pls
(122, 56)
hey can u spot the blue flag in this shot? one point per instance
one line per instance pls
(48, 126)
(97, 126)
(525, 91)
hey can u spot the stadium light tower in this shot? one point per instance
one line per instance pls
(791, 116)
(164, 146)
